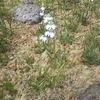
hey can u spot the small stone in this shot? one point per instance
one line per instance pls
(26, 11)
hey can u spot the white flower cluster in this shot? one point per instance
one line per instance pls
(42, 10)
(49, 25)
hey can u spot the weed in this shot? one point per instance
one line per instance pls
(86, 11)
(71, 23)
(29, 61)
(3, 59)
(43, 80)
(63, 4)
(39, 48)
(50, 3)
(91, 52)
(57, 60)
(41, 30)
(6, 85)
(5, 34)
(66, 37)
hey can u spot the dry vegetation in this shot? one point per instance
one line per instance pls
(25, 60)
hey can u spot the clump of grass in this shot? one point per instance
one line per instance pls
(6, 85)
(57, 60)
(91, 52)
(39, 48)
(3, 60)
(83, 15)
(65, 4)
(86, 10)
(43, 80)
(5, 36)
(41, 30)
(71, 23)
(66, 37)
(29, 61)
(5, 33)
(48, 77)
(13, 3)
(49, 3)
(62, 4)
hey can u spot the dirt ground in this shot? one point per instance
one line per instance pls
(77, 76)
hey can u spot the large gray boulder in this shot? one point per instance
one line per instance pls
(25, 12)
(91, 93)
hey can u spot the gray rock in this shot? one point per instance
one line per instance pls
(25, 12)
(91, 93)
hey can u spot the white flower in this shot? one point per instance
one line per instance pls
(52, 35)
(43, 38)
(47, 18)
(50, 26)
(41, 13)
(42, 8)
(49, 34)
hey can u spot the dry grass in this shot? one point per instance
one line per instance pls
(77, 76)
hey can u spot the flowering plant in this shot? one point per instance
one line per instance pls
(49, 25)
